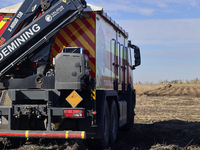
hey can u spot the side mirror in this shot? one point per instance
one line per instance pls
(136, 55)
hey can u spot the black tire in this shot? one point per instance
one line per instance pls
(106, 126)
(114, 122)
(102, 143)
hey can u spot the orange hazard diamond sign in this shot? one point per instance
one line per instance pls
(74, 99)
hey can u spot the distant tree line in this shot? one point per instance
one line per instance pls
(176, 81)
(180, 81)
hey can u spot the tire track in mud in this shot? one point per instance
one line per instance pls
(175, 91)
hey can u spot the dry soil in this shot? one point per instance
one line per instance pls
(167, 118)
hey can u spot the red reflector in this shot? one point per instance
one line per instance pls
(33, 64)
(73, 113)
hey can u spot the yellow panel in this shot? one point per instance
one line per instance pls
(74, 99)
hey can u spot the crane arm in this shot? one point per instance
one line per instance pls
(36, 31)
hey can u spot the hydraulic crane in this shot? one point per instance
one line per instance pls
(35, 23)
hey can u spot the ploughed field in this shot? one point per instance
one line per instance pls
(175, 90)
(167, 118)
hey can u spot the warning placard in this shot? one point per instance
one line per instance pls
(74, 99)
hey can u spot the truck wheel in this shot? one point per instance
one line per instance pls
(102, 143)
(106, 125)
(113, 122)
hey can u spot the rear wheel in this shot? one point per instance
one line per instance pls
(102, 143)
(106, 126)
(113, 122)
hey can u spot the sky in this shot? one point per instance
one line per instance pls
(167, 32)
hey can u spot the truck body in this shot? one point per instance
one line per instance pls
(66, 72)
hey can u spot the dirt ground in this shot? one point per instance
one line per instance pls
(167, 122)
(167, 118)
